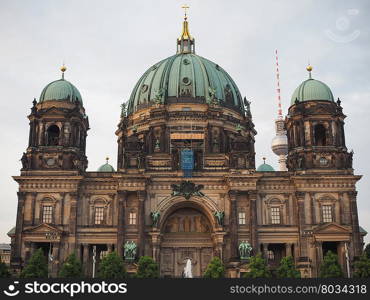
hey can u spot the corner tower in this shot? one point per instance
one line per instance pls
(315, 128)
(58, 130)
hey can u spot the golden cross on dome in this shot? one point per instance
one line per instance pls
(185, 7)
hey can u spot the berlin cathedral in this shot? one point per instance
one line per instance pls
(186, 186)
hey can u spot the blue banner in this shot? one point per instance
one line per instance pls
(187, 159)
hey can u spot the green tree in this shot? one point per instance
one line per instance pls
(147, 268)
(362, 267)
(258, 268)
(112, 267)
(287, 268)
(71, 268)
(215, 269)
(37, 266)
(330, 267)
(367, 250)
(4, 270)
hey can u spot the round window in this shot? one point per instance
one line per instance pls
(144, 88)
(186, 80)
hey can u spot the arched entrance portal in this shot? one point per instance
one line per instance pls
(186, 233)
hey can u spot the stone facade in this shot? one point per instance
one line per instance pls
(302, 212)
(173, 214)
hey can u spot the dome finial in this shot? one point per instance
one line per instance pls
(185, 43)
(309, 69)
(107, 159)
(63, 68)
(264, 160)
(185, 7)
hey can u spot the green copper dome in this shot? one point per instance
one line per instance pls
(265, 168)
(185, 78)
(106, 168)
(312, 89)
(60, 90)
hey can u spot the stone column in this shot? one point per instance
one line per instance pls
(55, 262)
(72, 222)
(356, 238)
(41, 133)
(33, 205)
(288, 249)
(85, 257)
(141, 222)
(301, 224)
(16, 257)
(155, 234)
(319, 254)
(265, 249)
(252, 197)
(233, 225)
(121, 211)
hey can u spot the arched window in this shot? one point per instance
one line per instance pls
(53, 135)
(320, 135)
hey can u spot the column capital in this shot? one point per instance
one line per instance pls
(300, 194)
(21, 195)
(141, 195)
(233, 194)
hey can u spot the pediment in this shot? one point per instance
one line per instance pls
(43, 228)
(331, 228)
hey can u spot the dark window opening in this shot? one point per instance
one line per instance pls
(329, 246)
(320, 135)
(53, 135)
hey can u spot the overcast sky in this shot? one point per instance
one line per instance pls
(107, 45)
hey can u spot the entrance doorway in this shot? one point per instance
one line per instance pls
(186, 235)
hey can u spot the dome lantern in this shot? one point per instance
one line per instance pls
(185, 43)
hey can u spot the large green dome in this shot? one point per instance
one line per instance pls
(60, 90)
(312, 89)
(185, 78)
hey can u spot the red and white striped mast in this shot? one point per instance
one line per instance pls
(279, 143)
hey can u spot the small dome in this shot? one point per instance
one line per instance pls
(106, 168)
(265, 168)
(312, 89)
(60, 90)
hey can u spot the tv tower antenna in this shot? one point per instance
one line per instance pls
(280, 114)
(279, 143)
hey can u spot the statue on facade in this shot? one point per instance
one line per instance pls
(155, 218)
(247, 105)
(25, 162)
(130, 249)
(158, 97)
(350, 159)
(212, 96)
(123, 110)
(244, 250)
(220, 215)
(157, 146)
